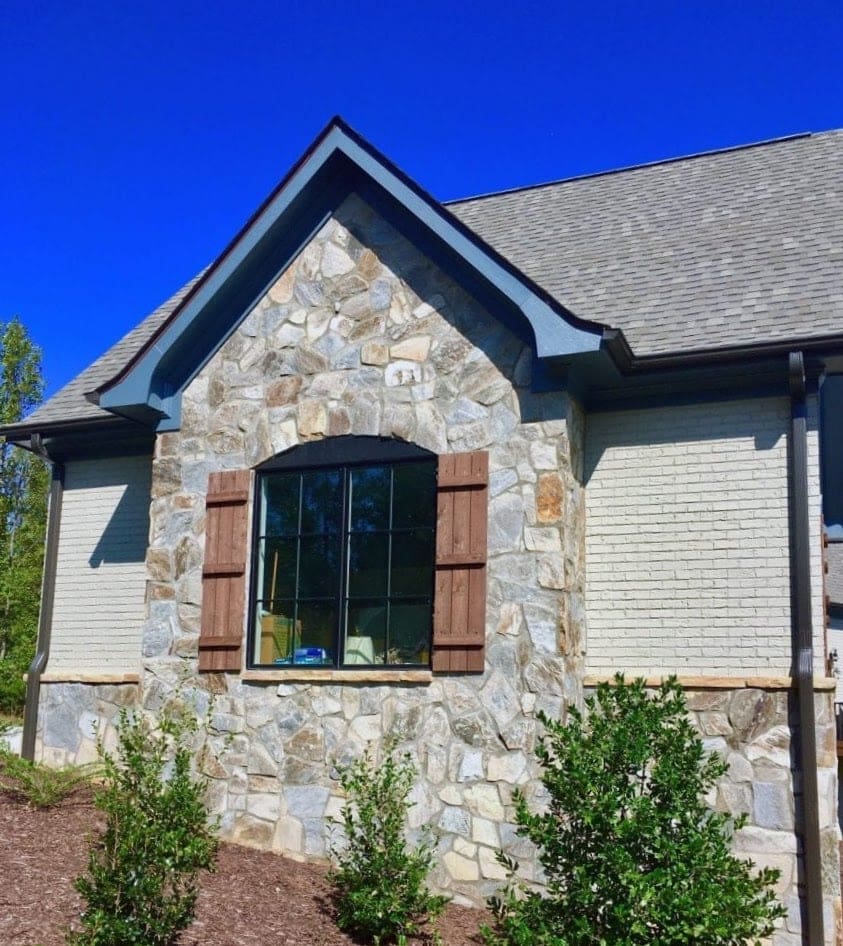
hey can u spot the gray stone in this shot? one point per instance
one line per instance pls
(773, 806)
(61, 729)
(306, 801)
(506, 519)
(455, 821)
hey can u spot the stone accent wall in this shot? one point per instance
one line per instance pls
(364, 335)
(72, 716)
(754, 730)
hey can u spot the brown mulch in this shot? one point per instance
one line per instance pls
(255, 897)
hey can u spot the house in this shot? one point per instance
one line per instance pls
(395, 468)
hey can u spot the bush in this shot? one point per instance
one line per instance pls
(39, 785)
(631, 854)
(379, 882)
(142, 879)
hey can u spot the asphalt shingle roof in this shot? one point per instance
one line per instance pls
(716, 250)
(70, 404)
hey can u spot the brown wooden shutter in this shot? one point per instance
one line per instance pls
(459, 614)
(224, 571)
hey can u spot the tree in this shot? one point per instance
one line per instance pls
(631, 853)
(23, 502)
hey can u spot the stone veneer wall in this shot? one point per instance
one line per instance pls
(363, 335)
(72, 716)
(754, 730)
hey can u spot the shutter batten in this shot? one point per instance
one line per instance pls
(224, 571)
(459, 617)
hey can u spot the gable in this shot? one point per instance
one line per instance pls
(339, 164)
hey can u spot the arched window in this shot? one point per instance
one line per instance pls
(343, 555)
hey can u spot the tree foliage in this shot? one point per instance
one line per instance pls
(631, 854)
(23, 503)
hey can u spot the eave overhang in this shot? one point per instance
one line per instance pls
(339, 163)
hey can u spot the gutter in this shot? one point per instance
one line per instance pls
(48, 588)
(800, 535)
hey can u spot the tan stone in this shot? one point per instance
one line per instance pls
(489, 866)
(283, 391)
(368, 265)
(374, 353)
(485, 832)
(461, 868)
(412, 349)
(282, 289)
(159, 564)
(339, 422)
(312, 419)
(157, 591)
(485, 801)
(549, 498)
(288, 835)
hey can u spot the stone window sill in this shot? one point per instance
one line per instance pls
(337, 676)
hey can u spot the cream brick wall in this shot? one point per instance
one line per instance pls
(100, 574)
(687, 558)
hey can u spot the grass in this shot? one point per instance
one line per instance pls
(39, 785)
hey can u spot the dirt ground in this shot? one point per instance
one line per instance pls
(254, 897)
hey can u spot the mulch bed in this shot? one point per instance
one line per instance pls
(254, 897)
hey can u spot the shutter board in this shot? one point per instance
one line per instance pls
(224, 571)
(459, 617)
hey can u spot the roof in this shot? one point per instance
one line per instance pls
(70, 404)
(717, 250)
(721, 249)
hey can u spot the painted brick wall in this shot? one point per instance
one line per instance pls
(100, 574)
(687, 566)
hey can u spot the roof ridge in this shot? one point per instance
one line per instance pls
(637, 167)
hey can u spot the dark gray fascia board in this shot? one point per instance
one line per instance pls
(86, 439)
(149, 389)
(623, 380)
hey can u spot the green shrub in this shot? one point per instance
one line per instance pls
(142, 880)
(379, 881)
(39, 785)
(631, 854)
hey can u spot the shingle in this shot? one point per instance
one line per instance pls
(70, 404)
(723, 249)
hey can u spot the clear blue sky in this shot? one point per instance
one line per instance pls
(137, 137)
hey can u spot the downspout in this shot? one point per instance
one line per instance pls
(800, 539)
(45, 618)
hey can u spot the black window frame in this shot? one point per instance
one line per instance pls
(343, 454)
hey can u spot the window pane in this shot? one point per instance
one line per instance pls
(319, 567)
(321, 501)
(366, 636)
(409, 634)
(370, 498)
(412, 563)
(368, 559)
(278, 569)
(316, 633)
(281, 504)
(414, 495)
(275, 640)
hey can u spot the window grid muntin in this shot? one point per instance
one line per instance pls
(341, 599)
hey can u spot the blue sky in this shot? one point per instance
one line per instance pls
(136, 139)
